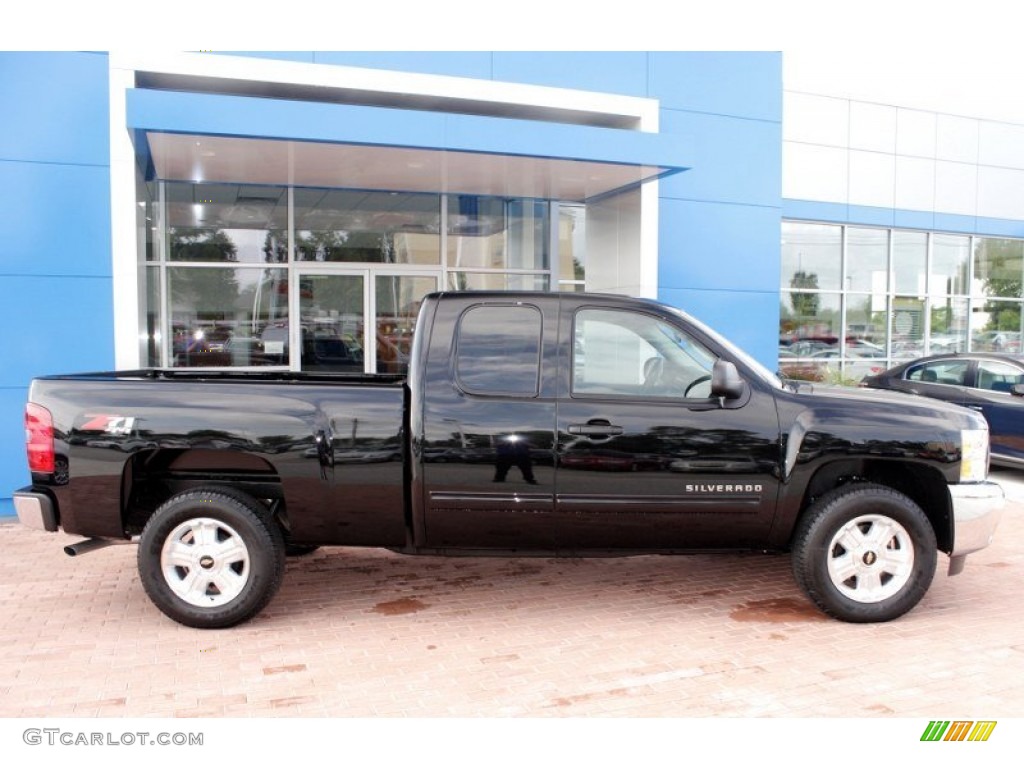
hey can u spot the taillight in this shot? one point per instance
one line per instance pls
(39, 438)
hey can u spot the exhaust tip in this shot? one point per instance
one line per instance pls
(88, 545)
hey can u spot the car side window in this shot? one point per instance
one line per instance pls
(498, 351)
(997, 376)
(953, 372)
(621, 353)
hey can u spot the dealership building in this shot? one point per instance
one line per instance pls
(287, 211)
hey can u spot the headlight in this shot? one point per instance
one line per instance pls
(973, 455)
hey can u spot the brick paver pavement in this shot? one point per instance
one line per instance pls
(370, 633)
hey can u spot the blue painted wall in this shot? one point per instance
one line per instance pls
(720, 221)
(55, 267)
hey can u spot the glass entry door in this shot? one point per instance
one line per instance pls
(358, 321)
(332, 322)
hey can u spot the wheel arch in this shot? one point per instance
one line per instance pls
(923, 484)
(152, 477)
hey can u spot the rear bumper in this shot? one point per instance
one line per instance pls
(977, 509)
(35, 510)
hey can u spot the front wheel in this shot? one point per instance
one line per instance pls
(211, 558)
(864, 553)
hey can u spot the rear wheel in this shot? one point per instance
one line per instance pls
(210, 558)
(864, 553)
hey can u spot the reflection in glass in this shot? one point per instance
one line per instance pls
(572, 250)
(497, 233)
(811, 256)
(865, 325)
(949, 325)
(496, 281)
(331, 323)
(907, 327)
(950, 261)
(153, 333)
(627, 353)
(998, 267)
(238, 223)
(909, 253)
(218, 315)
(498, 351)
(339, 225)
(867, 260)
(809, 333)
(398, 302)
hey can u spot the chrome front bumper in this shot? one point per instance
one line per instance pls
(977, 508)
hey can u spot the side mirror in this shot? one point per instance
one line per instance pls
(725, 381)
(1017, 390)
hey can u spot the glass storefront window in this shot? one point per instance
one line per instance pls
(398, 299)
(909, 254)
(230, 223)
(907, 327)
(152, 334)
(572, 239)
(996, 326)
(998, 266)
(496, 233)
(974, 298)
(950, 261)
(867, 260)
(219, 315)
(340, 225)
(811, 256)
(229, 262)
(866, 321)
(949, 323)
(809, 334)
(496, 281)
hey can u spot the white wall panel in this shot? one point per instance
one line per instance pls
(956, 138)
(816, 119)
(1001, 144)
(915, 183)
(915, 133)
(1000, 193)
(872, 127)
(872, 179)
(811, 172)
(956, 188)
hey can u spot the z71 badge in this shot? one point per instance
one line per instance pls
(108, 424)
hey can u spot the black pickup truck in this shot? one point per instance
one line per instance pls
(558, 424)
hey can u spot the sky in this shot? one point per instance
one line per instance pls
(957, 57)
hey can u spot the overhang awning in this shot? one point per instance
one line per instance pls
(210, 137)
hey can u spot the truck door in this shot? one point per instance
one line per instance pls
(487, 447)
(646, 458)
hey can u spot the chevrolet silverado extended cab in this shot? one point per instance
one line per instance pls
(567, 424)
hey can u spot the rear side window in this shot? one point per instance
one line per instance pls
(498, 351)
(953, 372)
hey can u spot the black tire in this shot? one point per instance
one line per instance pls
(298, 550)
(864, 553)
(211, 558)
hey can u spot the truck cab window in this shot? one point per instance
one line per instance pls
(498, 351)
(629, 354)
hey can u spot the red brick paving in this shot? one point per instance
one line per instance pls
(358, 632)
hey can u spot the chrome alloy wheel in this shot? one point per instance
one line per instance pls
(871, 558)
(205, 562)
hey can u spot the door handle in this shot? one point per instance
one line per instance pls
(975, 407)
(594, 429)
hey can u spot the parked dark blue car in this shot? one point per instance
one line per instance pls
(989, 382)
